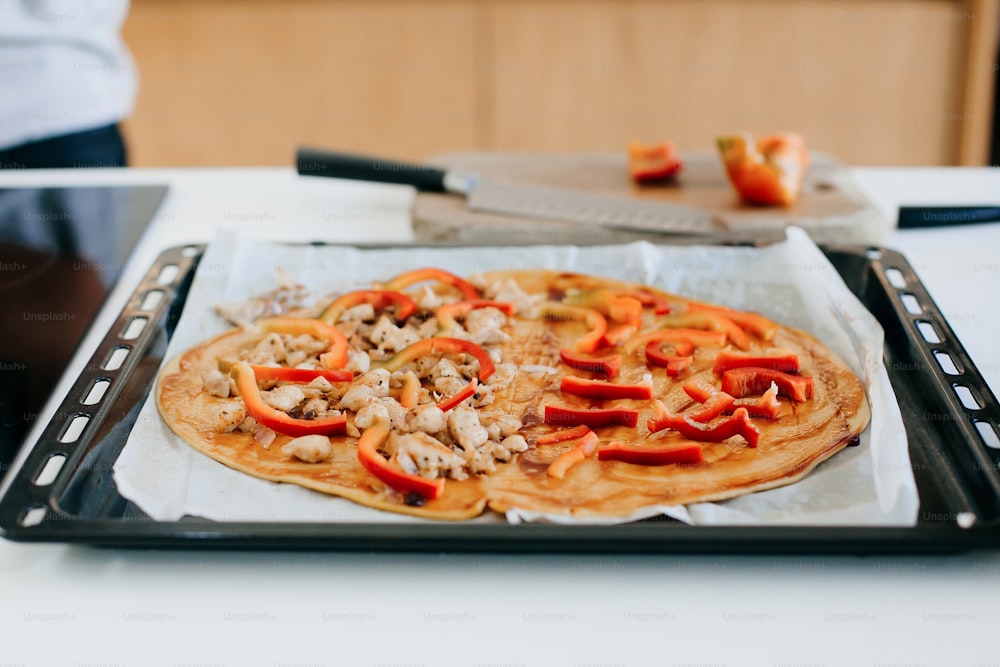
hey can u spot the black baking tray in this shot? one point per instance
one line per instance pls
(952, 421)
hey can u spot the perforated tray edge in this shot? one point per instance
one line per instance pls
(30, 512)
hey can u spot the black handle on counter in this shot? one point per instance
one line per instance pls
(313, 162)
(911, 217)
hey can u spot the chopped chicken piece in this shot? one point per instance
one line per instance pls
(387, 336)
(406, 462)
(427, 328)
(308, 344)
(446, 386)
(296, 357)
(248, 424)
(444, 368)
(283, 398)
(427, 418)
(485, 326)
(433, 459)
(515, 443)
(397, 413)
(508, 290)
(231, 414)
(320, 383)
(315, 407)
(271, 348)
(366, 388)
(479, 461)
(507, 424)
(371, 413)
(358, 361)
(309, 448)
(500, 453)
(359, 313)
(428, 300)
(464, 427)
(216, 384)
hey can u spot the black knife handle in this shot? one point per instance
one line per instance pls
(313, 162)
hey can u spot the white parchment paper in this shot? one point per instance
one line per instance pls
(792, 282)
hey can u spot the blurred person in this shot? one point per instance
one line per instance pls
(66, 81)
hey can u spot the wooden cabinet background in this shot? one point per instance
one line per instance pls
(243, 82)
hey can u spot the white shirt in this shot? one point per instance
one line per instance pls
(63, 68)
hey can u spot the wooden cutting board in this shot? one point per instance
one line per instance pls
(831, 208)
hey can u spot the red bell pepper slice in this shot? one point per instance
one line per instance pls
(652, 455)
(609, 365)
(742, 382)
(766, 405)
(601, 389)
(276, 420)
(336, 355)
(440, 275)
(447, 314)
(777, 359)
(379, 299)
(672, 362)
(563, 434)
(598, 325)
(695, 319)
(584, 448)
(439, 345)
(563, 416)
(284, 374)
(714, 402)
(368, 455)
(651, 164)
(737, 424)
(767, 172)
(712, 408)
(466, 392)
(750, 322)
(696, 337)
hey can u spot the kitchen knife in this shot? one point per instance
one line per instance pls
(516, 199)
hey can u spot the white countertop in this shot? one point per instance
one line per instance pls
(82, 606)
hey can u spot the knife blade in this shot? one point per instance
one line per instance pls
(515, 199)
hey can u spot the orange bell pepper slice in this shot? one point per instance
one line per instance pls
(440, 275)
(439, 345)
(336, 355)
(368, 455)
(598, 325)
(379, 299)
(584, 448)
(447, 314)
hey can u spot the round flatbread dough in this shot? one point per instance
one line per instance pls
(790, 446)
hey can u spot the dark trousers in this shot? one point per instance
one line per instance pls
(100, 147)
